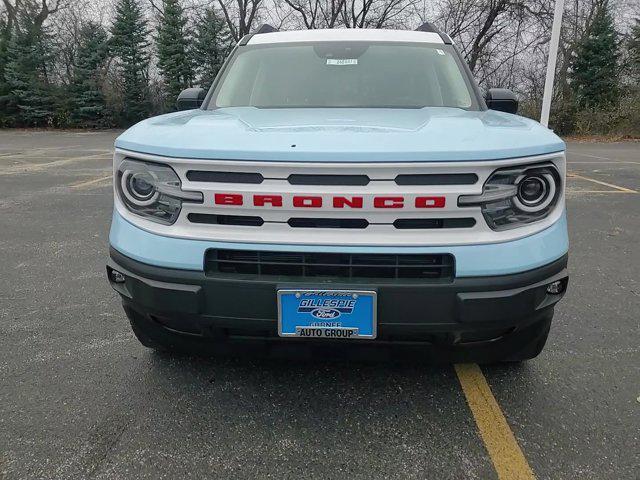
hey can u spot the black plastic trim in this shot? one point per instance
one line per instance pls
(427, 27)
(433, 223)
(437, 179)
(212, 219)
(328, 222)
(265, 28)
(479, 283)
(471, 304)
(310, 179)
(224, 177)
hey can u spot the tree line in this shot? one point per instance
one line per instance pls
(77, 63)
(107, 79)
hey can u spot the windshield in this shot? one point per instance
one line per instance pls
(344, 74)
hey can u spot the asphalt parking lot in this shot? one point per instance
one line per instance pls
(81, 398)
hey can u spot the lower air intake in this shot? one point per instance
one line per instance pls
(437, 267)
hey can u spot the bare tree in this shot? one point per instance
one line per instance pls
(351, 13)
(42, 10)
(375, 14)
(240, 15)
(308, 11)
(318, 13)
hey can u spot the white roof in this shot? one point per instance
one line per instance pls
(346, 35)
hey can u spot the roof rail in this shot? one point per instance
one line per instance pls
(427, 27)
(431, 28)
(265, 28)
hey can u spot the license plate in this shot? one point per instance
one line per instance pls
(327, 314)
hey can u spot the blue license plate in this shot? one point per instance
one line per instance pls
(327, 314)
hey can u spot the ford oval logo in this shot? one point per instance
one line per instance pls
(325, 313)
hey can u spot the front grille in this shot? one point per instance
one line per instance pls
(328, 223)
(437, 267)
(437, 179)
(305, 179)
(284, 202)
(212, 219)
(432, 223)
(224, 177)
(353, 223)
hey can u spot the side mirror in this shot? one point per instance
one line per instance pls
(191, 98)
(502, 100)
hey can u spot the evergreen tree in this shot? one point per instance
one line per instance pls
(594, 69)
(28, 59)
(6, 100)
(88, 103)
(174, 61)
(5, 36)
(634, 50)
(213, 42)
(129, 43)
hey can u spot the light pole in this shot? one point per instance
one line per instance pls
(551, 65)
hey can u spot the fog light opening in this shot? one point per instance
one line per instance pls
(117, 277)
(555, 288)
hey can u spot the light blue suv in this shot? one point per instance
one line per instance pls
(342, 187)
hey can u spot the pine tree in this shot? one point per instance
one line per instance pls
(174, 61)
(594, 69)
(634, 50)
(129, 44)
(88, 103)
(7, 106)
(5, 36)
(213, 42)
(28, 60)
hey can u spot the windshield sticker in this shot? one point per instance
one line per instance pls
(342, 61)
(440, 52)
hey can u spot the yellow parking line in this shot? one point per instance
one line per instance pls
(605, 162)
(581, 177)
(91, 182)
(596, 191)
(504, 451)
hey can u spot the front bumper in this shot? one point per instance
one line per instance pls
(467, 310)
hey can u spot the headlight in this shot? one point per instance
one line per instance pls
(517, 196)
(152, 190)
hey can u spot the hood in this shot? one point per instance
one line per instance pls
(341, 135)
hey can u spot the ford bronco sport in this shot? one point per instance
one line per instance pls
(344, 187)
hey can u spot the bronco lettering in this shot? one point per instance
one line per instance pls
(305, 201)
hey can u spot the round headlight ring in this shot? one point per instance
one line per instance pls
(532, 190)
(136, 188)
(543, 200)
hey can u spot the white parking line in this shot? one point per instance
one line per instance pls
(35, 167)
(589, 155)
(89, 183)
